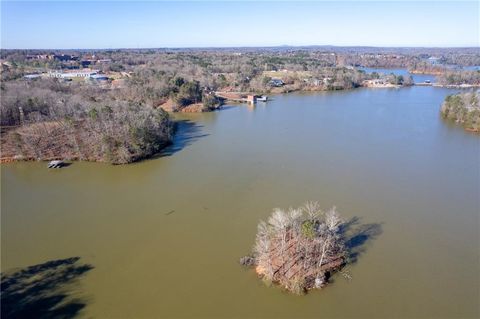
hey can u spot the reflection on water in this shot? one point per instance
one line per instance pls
(41, 291)
(165, 234)
(186, 132)
(358, 236)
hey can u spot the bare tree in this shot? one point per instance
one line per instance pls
(296, 248)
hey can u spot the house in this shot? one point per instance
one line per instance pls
(65, 57)
(433, 60)
(276, 83)
(377, 81)
(86, 63)
(313, 81)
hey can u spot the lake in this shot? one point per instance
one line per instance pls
(417, 78)
(164, 236)
(472, 68)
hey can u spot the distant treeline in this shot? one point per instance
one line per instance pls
(120, 120)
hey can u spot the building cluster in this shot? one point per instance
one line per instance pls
(89, 60)
(86, 60)
(71, 74)
(58, 57)
(84, 73)
(381, 55)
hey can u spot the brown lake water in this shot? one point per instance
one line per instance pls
(164, 235)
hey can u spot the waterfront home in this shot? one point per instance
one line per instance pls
(375, 82)
(276, 82)
(379, 83)
(313, 81)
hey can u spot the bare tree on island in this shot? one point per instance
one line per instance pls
(299, 248)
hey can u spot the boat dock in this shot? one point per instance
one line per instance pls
(56, 164)
(240, 97)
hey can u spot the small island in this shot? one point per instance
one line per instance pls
(463, 108)
(299, 249)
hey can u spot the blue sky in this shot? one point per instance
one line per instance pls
(122, 24)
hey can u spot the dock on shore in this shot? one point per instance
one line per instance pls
(241, 97)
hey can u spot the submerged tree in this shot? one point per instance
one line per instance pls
(299, 248)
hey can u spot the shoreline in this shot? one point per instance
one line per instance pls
(20, 158)
(390, 86)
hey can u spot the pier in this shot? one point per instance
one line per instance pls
(241, 97)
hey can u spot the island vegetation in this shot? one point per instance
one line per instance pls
(463, 108)
(300, 248)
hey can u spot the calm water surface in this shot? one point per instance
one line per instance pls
(164, 236)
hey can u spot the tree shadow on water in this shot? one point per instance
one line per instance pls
(186, 132)
(358, 236)
(43, 290)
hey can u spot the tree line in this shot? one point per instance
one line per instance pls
(463, 108)
(151, 79)
(54, 120)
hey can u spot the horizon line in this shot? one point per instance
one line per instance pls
(257, 47)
